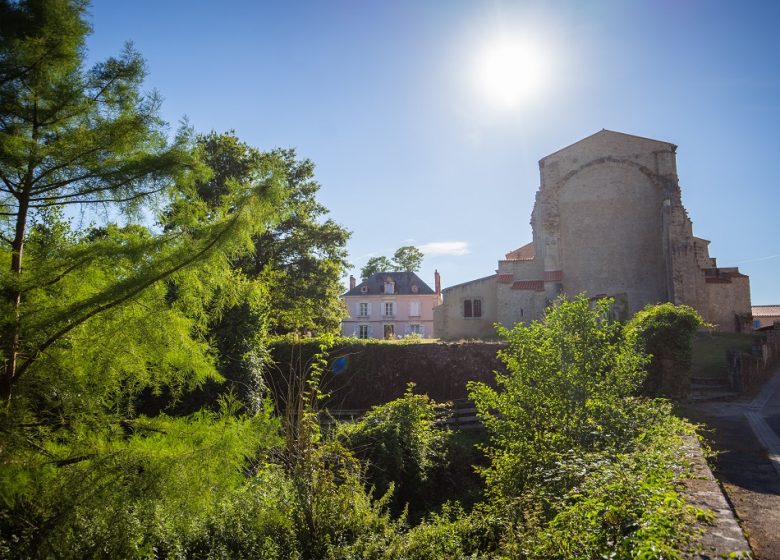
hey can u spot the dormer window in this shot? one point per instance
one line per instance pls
(389, 286)
(415, 289)
(363, 289)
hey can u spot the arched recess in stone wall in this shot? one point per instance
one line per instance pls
(611, 232)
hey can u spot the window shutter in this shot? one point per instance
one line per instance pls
(369, 309)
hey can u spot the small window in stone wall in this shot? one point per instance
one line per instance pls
(472, 308)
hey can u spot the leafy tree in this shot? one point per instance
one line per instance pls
(567, 388)
(301, 258)
(580, 465)
(92, 317)
(408, 259)
(405, 259)
(68, 137)
(374, 265)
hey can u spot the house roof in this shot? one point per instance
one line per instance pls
(375, 285)
(766, 310)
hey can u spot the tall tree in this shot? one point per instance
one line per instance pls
(408, 259)
(67, 137)
(91, 138)
(300, 259)
(374, 265)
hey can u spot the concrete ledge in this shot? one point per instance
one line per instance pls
(723, 538)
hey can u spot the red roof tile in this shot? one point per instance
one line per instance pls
(553, 275)
(505, 278)
(537, 285)
(524, 253)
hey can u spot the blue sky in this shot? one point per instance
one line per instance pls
(412, 148)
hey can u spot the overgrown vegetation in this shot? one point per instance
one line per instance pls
(665, 332)
(96, 319)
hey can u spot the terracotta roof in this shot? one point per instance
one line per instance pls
(766, 310)
(505, 278)
(403, 284)
(524, 253)
(553, 275)
(537, 285)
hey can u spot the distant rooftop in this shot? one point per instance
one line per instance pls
(405, 283)
(766, 310)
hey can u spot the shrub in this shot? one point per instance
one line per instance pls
(581, 467)
(665, 332)
(401, 443)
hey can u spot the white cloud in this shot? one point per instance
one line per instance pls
(454, 248)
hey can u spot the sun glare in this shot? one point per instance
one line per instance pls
(510, 72)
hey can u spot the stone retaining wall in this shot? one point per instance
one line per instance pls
(748, 371)
(360, 375)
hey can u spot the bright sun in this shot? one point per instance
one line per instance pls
(509, 72)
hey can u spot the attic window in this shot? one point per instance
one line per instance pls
(363, 289)
(414, 288)
(389, 286)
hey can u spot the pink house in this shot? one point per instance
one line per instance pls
(390, 305)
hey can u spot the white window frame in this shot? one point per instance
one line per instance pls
(414, 309)
(389, 309)
(363, 306)
(364, 330)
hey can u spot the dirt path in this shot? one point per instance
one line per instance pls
(743, 465)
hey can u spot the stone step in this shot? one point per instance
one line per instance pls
(710, 381)
(712, 395)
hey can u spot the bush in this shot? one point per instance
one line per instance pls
(581, 467)
(666, 332)
(401, 443)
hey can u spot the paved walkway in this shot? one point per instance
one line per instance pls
(746, 435)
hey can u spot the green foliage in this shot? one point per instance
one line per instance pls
(568, 388)
(92, 318)
(580, 467)
(401, 444)
(123, 490)
(666, 331)
(300, 259)
(405, 259)
(408, 259)
(374, 265)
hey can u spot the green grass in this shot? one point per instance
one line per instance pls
(709, 352)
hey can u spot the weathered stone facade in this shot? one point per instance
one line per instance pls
(608, 221)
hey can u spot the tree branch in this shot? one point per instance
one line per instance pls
(22, 368)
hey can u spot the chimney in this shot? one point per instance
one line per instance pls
(351, 282)
(437, 282)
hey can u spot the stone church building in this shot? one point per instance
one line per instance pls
(608, 221)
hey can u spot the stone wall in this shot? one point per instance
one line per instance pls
(749, 371)
(361, 375)
(448, 319)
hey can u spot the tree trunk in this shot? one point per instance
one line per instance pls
(13, 340)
